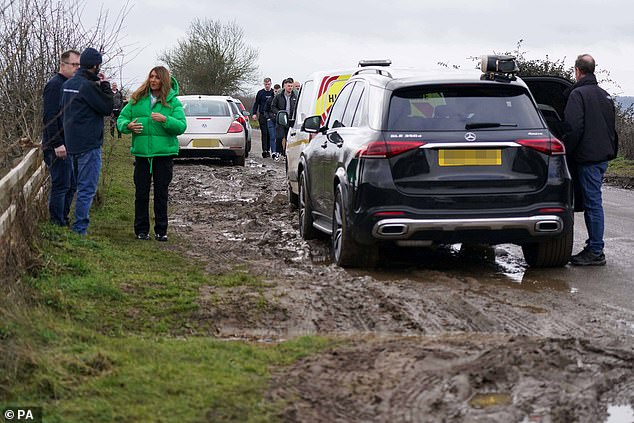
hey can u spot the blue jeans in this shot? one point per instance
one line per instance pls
(270, 124)
(62, 187)
(87, 167)
(590, 181)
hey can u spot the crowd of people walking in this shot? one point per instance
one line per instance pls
(268, 102)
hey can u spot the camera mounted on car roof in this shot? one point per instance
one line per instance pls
(498, 68)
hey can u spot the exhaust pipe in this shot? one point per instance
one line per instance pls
(548, 226)
(392, 229)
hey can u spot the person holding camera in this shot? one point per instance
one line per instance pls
(86, 100)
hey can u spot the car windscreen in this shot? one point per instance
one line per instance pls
(205, 108)
(462, 107)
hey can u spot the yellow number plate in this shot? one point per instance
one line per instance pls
(469, 157)
(208, 143)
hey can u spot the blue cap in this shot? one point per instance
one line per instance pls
(89, 58)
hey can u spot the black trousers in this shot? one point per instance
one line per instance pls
(113, 123)
(265, 134)
(159, 169)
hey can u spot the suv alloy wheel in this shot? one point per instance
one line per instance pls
(346, 252)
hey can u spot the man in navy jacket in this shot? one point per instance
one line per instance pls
(591, 141)
(53, 146)
(86, 100)
(258, 114)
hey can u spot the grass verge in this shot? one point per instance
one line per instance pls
(108, 330)
(621, 167)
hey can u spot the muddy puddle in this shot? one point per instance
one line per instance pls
(431, 335)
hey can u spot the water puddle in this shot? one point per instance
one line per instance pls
(490, 400)
(493, 266)
(620, 414)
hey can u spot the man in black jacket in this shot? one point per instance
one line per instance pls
(86, 101)
(53, 145)
(117, 105)
(284, 100)
(258, 114)
(270, 122)
(591, 141)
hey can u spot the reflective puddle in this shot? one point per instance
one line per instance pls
(490, 400)
(500, 265)
(620, 414)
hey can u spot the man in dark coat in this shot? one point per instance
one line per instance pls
(270, 121)
(117, 105)
(86, 100)
(591, 141)
(258, 114)
(53, 144)
(284, 100)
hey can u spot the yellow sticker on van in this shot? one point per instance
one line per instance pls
(329, 89)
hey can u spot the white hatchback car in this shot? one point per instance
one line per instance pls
(212, 129)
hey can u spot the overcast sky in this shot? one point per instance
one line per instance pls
(297, 37)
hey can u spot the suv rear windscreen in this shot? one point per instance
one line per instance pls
(461, 107)
(205, 108)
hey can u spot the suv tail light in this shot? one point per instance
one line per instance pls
(386, 149)
(550, 146)
(234, 127)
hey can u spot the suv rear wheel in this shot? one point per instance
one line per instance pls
(346, 252)
(305, 211)
(552, 253)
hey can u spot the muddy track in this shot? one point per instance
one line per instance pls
(422, 338)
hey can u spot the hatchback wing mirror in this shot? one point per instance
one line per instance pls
(312, 125)
(246, 113)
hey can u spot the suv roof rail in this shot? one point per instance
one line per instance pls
(380, 62)
(373, 70)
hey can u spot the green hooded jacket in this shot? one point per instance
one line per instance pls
(157, 138)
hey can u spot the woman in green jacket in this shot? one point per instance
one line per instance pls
(154, 117)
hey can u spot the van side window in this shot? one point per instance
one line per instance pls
(304, 103)
(353, 103)
(335, 119)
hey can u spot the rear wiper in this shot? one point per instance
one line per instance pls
(478, 125)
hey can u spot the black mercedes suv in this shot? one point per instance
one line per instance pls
(412, 158)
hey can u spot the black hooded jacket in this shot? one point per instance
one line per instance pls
(590, 123)
(85, 101)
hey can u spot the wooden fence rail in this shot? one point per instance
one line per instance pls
(23, 187)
